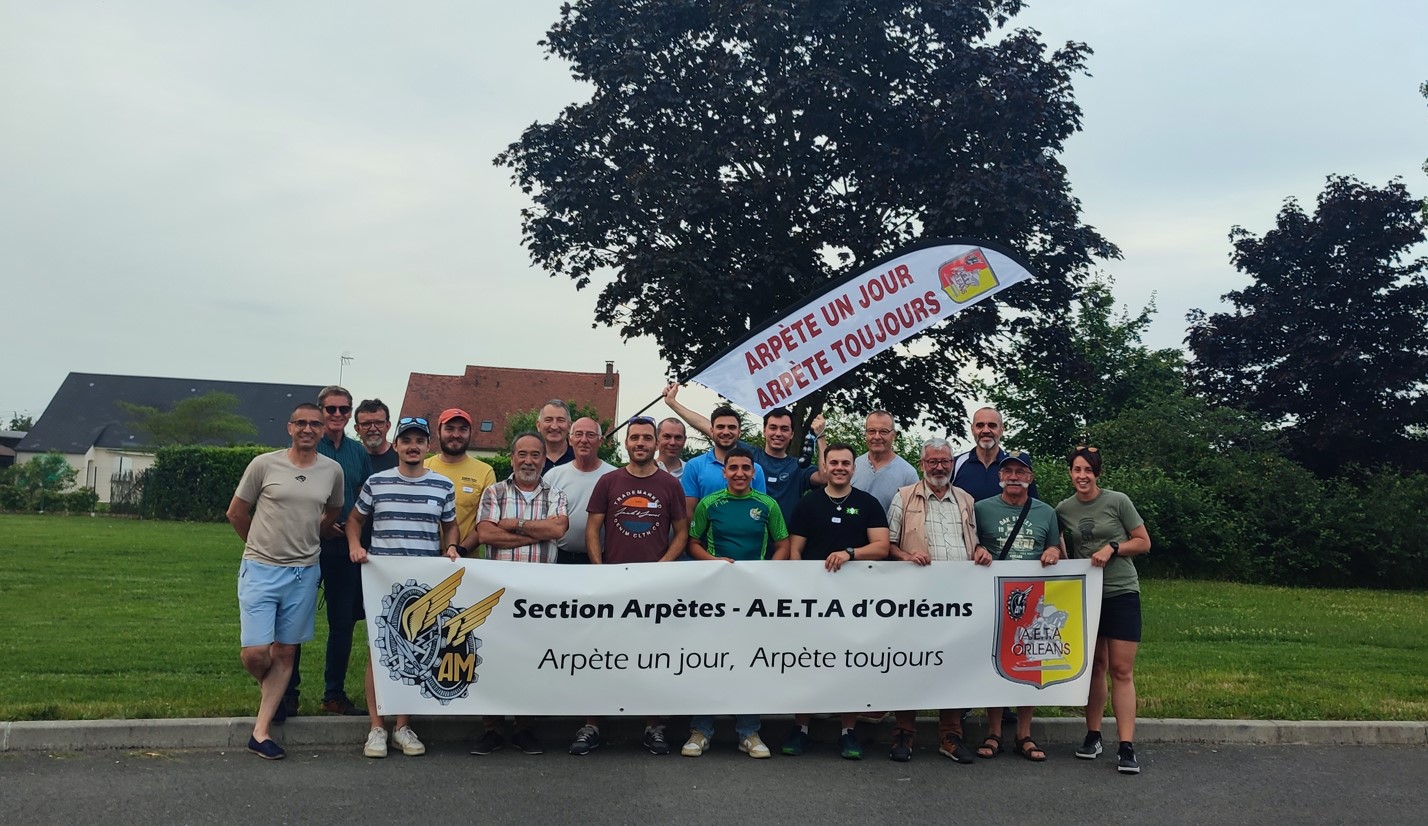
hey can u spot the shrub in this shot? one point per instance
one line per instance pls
(195, 483)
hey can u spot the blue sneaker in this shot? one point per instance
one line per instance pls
(268, 750)
(796, 742)
(849, 747)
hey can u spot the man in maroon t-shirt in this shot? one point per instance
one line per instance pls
(636, 514)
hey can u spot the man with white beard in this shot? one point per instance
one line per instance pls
(520, 520)
(928, 522)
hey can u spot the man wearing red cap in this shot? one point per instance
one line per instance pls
(470, 476)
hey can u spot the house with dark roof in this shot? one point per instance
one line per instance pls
(85, 423)
(8, 440)
(492, 394)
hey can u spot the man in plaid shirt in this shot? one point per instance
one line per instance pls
(519, 520)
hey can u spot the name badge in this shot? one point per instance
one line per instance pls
(837, 520)
(465, 489)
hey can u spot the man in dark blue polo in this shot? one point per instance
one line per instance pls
(976, 470)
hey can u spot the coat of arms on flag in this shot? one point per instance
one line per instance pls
(1041, 629)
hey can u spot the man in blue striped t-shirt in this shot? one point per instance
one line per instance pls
(413, 513)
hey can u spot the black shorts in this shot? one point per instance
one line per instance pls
(1120, 617)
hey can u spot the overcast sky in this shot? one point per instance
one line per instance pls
(231, 190)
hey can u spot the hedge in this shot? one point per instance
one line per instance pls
(195, 483)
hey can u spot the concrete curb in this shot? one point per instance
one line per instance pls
(233, 732)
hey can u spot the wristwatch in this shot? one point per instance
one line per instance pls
(520, 526)
(454, 545)
(851, 554)
(1115, 549)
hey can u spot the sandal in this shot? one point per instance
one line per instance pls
(991, 746)
(1027, 747)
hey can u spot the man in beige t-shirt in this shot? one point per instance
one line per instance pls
(282, 503)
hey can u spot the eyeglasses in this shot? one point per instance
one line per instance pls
(344, 409)
(377, 425)
(877, 431)
(406, 420)
(300, 424)
(937, 462)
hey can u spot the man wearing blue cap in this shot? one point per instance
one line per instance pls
(413, 513)
(1014, 525)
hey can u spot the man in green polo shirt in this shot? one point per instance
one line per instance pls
(735, 524)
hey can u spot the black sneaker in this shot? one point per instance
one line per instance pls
(526, 741)
(1090, 747)
(654, 740)
(901, 747)
(1125, 755)
(587, 739)
(489, 741)
(268, 750)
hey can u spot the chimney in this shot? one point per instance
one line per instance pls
(609, 375)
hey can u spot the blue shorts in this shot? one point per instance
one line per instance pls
(276, 603)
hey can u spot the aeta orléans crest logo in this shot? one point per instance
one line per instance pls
(427, 642)
(1041, 629)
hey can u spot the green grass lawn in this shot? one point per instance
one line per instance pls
(107, 618)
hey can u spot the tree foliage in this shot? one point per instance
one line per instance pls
(1055, 385)
(732, 156)
(1329, 342)
(22, 423)
(206, 419)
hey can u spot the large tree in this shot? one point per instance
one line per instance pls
(1330, 341)
(734, 155)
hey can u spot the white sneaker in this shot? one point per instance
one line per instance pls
(697, 745)
(753, 746)
(376, 743)
(406, 739)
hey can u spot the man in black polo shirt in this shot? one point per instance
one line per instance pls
(835, 526)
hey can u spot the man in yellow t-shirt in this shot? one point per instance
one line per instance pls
(470, 476)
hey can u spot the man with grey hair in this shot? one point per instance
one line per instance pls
(520, 520)
(577, 480)
(932, 521)
(553, 424)
(880, 471)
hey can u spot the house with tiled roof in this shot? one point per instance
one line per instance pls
(85, 423)
(492, 394)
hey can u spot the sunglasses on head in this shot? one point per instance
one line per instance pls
(406, 420)
(1086, 449)
(344, 409)
(641, 420)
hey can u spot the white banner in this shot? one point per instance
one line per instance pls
(485, 637)
(856, 319)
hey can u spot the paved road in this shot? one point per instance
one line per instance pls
(621, 784)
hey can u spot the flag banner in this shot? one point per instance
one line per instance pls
(858, 317)
(486, 637)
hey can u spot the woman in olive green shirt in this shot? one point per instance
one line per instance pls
(1102, 525)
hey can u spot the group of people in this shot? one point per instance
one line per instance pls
(563, 504)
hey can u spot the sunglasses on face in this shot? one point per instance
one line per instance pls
(334, 409)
